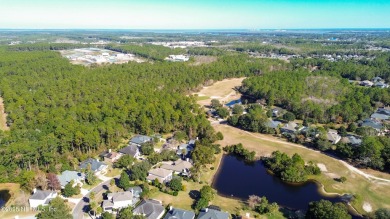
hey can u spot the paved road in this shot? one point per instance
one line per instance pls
(80, 208)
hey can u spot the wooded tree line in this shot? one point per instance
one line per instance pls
(44, 46)
(61, 113)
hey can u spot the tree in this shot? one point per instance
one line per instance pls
(107, 215)
(69, 190)
(56, 209)
(207, 192)
(238, 109)
(154, 158)
(147, 148)
(92, 195)
(125, 213)
(371, 150)
(215, 104)
(325, 209)
(289, 116)
(223, 112)
(124, 181)
(92, 207)
(203, 155)
(352, 127)
(176, 184)
(52, 182)
(343, 179)
(253, 201)
(139, 171)
(382, 213)
(125, 161)
(343, 131)
(90, 177)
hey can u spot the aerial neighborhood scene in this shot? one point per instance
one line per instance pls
(214, 109)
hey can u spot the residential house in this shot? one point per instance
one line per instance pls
(119, 200)
(176, 213)
(67, 176)
(180, 166)
(208, 213)
(233, 102)
(272, 124)
(377, 79)
(151, 209)
(381, 114)
(131, 150)
(276, 112)
(291, 128)
(140, 139)
(381, 85)
(191, 143)
(40, 197)
(367, 83)
(96, 166)
(162, 175)
(136, 190)
(110, 156)
(333, 136)
(184, 150)
(378, 126)
(352, 140)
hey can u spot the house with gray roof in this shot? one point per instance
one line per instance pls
(136, 190)
(186, 148)
(352, 140)
(67, 176)
(333, 136)
(140, 139)
(41, 198)
(208, 213)
(151, 209)
(378, 126)
(96, 166)
(162, 175)
(176, 213)
(273, 124)
(290, 128)
(119, 200)
(132, 150)
(180, 166)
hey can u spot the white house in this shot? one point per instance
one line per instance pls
(119, 200)
(42, 198)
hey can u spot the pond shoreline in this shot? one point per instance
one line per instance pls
(319, 187)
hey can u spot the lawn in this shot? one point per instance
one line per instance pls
(112, 172)
(15, 192)
(89, 187)
(375, 193)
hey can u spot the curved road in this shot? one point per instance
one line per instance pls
(78, 211)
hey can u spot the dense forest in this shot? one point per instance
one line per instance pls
(64, 113)
(149, 51)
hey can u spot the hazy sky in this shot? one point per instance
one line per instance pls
(194, 14)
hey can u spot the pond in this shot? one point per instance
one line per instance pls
(238, 179)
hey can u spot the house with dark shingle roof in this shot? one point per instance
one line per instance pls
(109, 156)
(208, 213)
(40, 197)
(378, 126)
(96, 166)
(151, 209)
(352, 140)
(140, 139)
(131, 150)
(176, 213)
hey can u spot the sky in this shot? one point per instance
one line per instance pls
(193, 14)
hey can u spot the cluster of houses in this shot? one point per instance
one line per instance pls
(162, 172)
(375, 82)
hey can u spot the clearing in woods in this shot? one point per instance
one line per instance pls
(3, 117)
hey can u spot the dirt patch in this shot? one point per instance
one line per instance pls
(3, 117)
(199, 60)
(221, 88)
(367, 207)
(322, 167)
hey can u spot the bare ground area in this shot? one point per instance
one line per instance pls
(3, 117)
(222, 90)
(199, 60)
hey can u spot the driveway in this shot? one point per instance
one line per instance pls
(82, 205)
